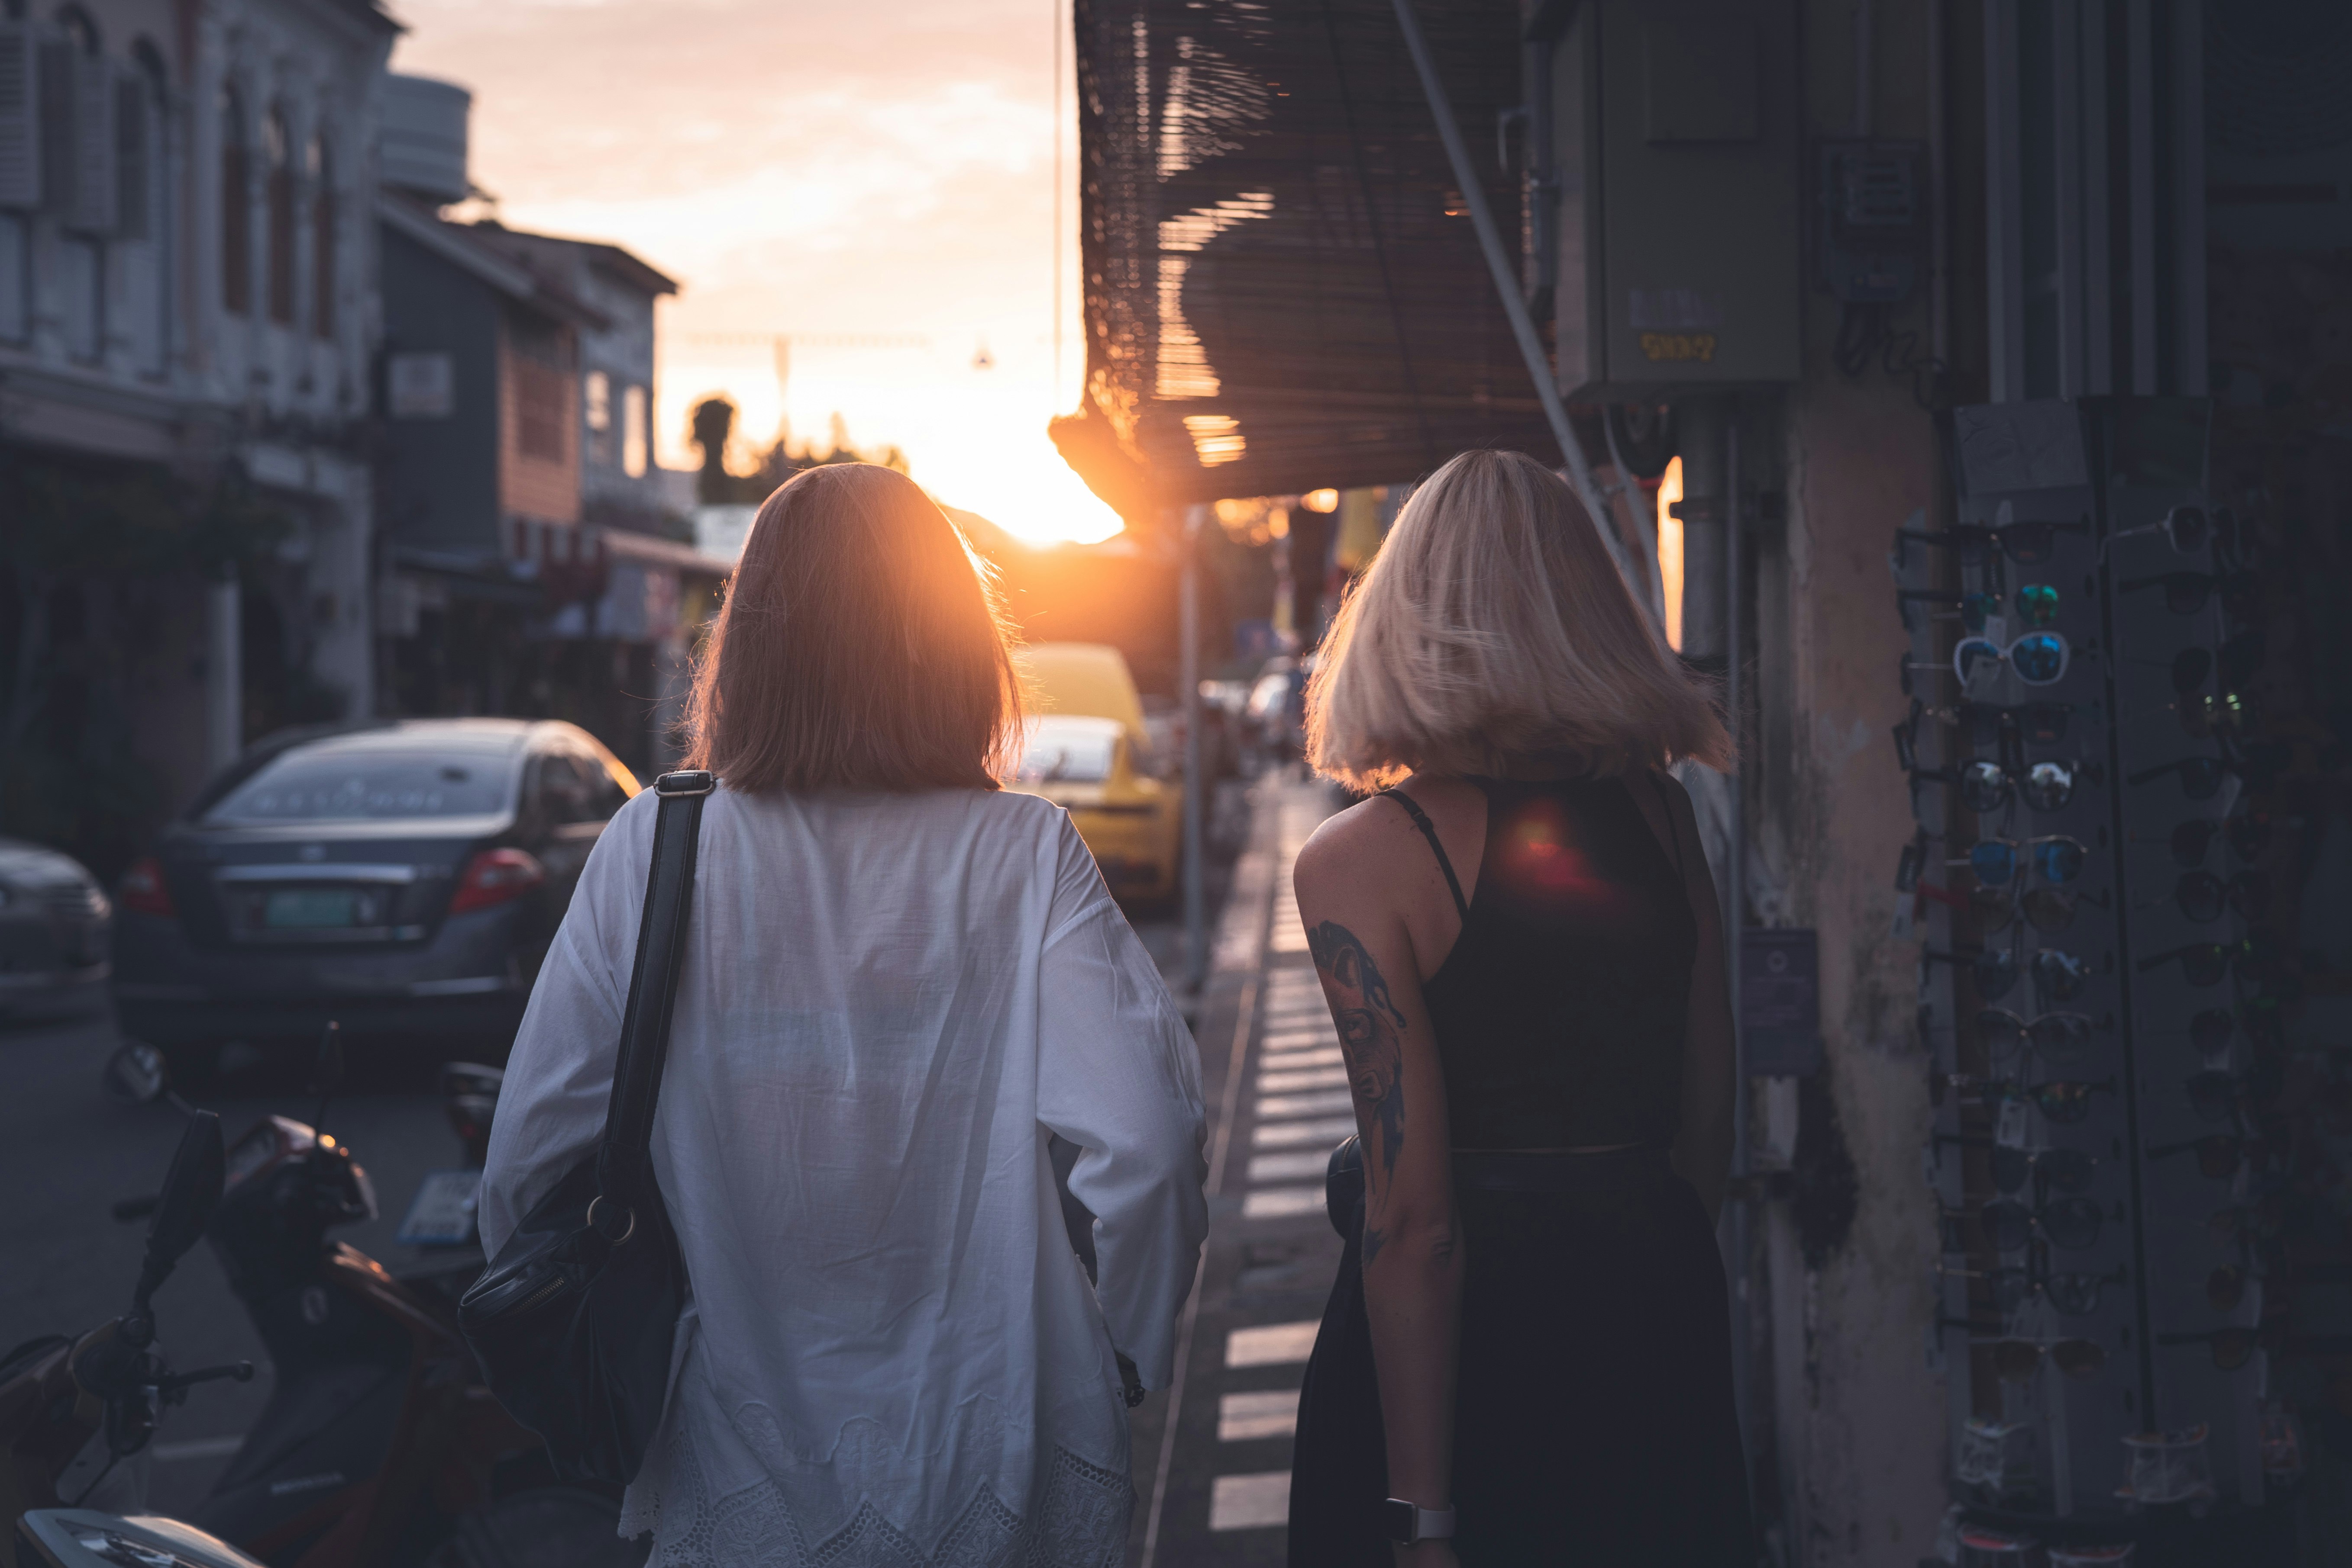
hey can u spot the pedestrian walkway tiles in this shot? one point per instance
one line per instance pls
(1281, 1203)
(1250, 1502)
(1322, 1104)
(1300, 1106)
(1291, 1167)
(1264, 1412)
(1271, 1344)
(1283, 1134)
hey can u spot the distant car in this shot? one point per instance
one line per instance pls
(1091, 751)
(56, 926)
(1277, 706)
(403, 878)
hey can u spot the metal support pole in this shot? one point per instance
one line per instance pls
(224, 671)
(1506, 286)
(1738, 1211)
(1196, 914)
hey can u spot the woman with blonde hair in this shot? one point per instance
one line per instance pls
(1525, 1357)
(899, 982)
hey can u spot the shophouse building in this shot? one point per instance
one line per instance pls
(187, 321)
(534, 565)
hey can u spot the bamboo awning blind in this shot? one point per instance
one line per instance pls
(1282, 290)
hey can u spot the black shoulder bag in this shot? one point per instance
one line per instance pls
(573, 1321)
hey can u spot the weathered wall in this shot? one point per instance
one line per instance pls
(1858, 1419)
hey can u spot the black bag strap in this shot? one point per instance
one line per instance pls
(623, 1158)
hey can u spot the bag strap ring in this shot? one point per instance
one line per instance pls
(597, 1202)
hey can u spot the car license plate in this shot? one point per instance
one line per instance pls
(442, 1212)
(306, 909)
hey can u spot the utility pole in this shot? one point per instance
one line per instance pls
(1188, 664)
(781, 344)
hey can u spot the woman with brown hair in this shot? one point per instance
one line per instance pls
(900, 981)
(1525, 1358)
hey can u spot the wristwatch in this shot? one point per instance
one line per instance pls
(1409, 1523)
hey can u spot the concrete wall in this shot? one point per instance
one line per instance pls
(1857, 1420)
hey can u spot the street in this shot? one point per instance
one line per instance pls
(1218, 1496)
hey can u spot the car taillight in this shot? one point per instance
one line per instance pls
(142, 887)
(495, 875)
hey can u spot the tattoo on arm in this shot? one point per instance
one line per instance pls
(1371, 1036)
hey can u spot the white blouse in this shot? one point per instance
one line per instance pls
(888, 1003)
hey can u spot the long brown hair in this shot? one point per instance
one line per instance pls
(862, 647)
(1494, 630)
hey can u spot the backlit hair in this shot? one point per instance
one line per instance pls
(862, 647)
(1493, 631)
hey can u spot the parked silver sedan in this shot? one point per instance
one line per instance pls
(56, 928)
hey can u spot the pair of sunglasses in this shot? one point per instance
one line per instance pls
(2018, 1361)
(2205, 962)
(2057, 858)
(2057, 976)
(2065, 1102)
(2055, 1036)
(2027, 544)
(2041, 722)
(2185, 593)
(2071, 1223)
(2206, 898)
(2231, 1347)
(2220, 1155)
(2186, 526)
(2046, 909)
(2038, 658)
(2215, 1095)
(2056, 1170)
(2074, 1294)
(1986, 787)
(2248, 834)
(2205, 714)
(2036, 605)
(2238, 658)
(2209, 1030)
(2201, 777)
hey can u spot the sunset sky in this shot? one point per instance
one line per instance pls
(814, 168)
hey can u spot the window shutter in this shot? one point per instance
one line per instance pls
(91, 206)
(54, 109)
(131, 172)
(20, 122)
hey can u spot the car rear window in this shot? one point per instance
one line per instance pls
(1068, 750)
(368, 786)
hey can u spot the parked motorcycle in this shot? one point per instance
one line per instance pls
(379, 1446)
(71, 1408)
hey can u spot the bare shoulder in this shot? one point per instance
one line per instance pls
(1375, 847)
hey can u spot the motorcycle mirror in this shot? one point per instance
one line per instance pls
(137, 1073)
(328, 1071)
(192, 1190)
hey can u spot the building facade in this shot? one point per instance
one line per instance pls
(532, 564)
(187, 323)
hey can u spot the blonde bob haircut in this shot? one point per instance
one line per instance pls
(1494, 636)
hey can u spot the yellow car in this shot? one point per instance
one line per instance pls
(1088, 751)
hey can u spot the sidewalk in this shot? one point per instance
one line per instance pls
(1219, 1493)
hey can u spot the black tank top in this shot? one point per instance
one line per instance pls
(1560, 1013)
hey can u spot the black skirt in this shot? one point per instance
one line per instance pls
(1593, 1421)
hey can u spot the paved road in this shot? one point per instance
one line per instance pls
(67, 1153)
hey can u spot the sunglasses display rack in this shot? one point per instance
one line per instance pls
(2096, 998)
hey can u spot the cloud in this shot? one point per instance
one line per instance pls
(811, 167)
